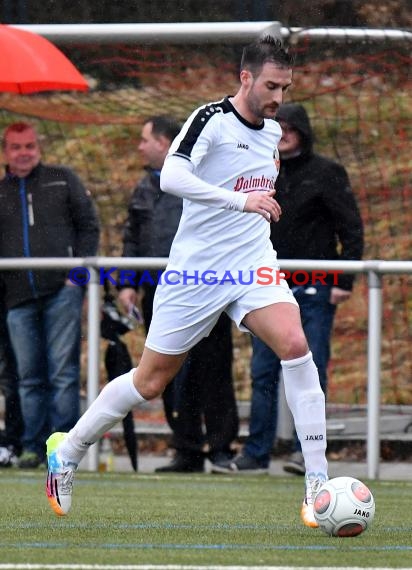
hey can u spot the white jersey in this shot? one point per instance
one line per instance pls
(233, 156)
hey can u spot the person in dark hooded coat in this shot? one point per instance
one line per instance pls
(320, 220)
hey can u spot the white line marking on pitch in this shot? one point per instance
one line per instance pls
(28, 566)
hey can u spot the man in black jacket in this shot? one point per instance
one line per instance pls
(320, 220)
(45, 211)
(202, 392)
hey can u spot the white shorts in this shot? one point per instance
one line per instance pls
(184, 314)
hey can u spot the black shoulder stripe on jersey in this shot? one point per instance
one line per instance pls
(198, 124)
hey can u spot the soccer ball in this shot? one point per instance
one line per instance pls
(344, 506)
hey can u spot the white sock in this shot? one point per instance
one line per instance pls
(306, 401)
(116, 399)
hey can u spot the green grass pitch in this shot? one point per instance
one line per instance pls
(192, 520)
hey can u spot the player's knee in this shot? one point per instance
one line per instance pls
(152, 386)
(294, 346)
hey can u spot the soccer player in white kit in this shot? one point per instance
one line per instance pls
(224, 164)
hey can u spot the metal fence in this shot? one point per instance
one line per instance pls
(206, 32)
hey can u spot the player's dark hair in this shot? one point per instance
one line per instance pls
(265, 50)
(164, 125)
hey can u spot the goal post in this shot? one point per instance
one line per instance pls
(206, 32)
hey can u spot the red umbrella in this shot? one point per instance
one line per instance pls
(30, 63)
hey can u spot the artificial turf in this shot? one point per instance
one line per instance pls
(198, 519)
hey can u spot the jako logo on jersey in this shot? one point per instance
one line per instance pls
(243, 145)
(254, 183)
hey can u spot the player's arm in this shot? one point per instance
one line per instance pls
(177, 178)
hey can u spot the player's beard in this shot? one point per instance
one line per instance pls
(260, 111)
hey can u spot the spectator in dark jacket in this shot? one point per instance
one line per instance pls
(189, 401)
(320, 220)
(45, 211)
